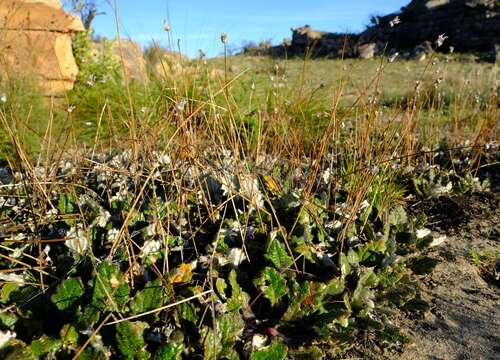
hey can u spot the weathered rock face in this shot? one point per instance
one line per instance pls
(470, 25)
(306, 40)
(35, 38)
(133, 65)
(367, 51)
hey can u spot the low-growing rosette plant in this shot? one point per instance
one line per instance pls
(164, 259)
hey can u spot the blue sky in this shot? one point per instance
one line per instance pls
(198, 23)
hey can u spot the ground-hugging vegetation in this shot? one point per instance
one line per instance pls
(236, 208)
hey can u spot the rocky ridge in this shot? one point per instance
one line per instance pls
(465, 26)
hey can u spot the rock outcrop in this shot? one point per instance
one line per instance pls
(133, 65)
(35, 37)
(469, 25)
(307, 41)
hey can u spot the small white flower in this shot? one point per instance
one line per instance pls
(223, 38)
(103, 218)
(395, 21)
(71, 108)
(259, 341)
(3, 98)
(249, 189)
(236, 256)
(393, 57)
(52, 212)
(13, 278)
(201, 54)
(5, 337)
(452, 49)
(327, 176)
(166, 25)
(88, 123)
(113, 235)
(181, 105)
(440, 40)
(150, 247)
(164, 159)
(76, 240)
(46, 251)
(151, 230)
(91, 80)
(364, 205)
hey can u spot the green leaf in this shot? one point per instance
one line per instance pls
(8, 320)
(352, 257)
(86, 319)
(44, 346)
(334, 287)
(302, 300)
(278, 255)
(394, 335)
(424, 242)
(423, 265)
(275, 351)
(170, 351)
(91, 353)
(7, 289)
(345, 267)
(69, 336)
(272, 285)
(221, 286)
(307, 353)
(131, 341)
(397, 216)
(68, 292)
(220, 344)
(239, 299)
(188, 313)
(151, 297)
(111, 292)
(363, 297)
(366, 250)
(67, 204)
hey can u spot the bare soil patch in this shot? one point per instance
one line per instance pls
(464, 319)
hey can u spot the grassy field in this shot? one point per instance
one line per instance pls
(240, 207)
(453, 96)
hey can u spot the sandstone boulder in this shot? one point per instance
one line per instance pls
(35, 39)
(171, 65)
(130, 57)
(422, 51)
(367, 51)
(133, 65)
(42, 15)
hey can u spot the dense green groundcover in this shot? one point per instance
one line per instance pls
(108, 257)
